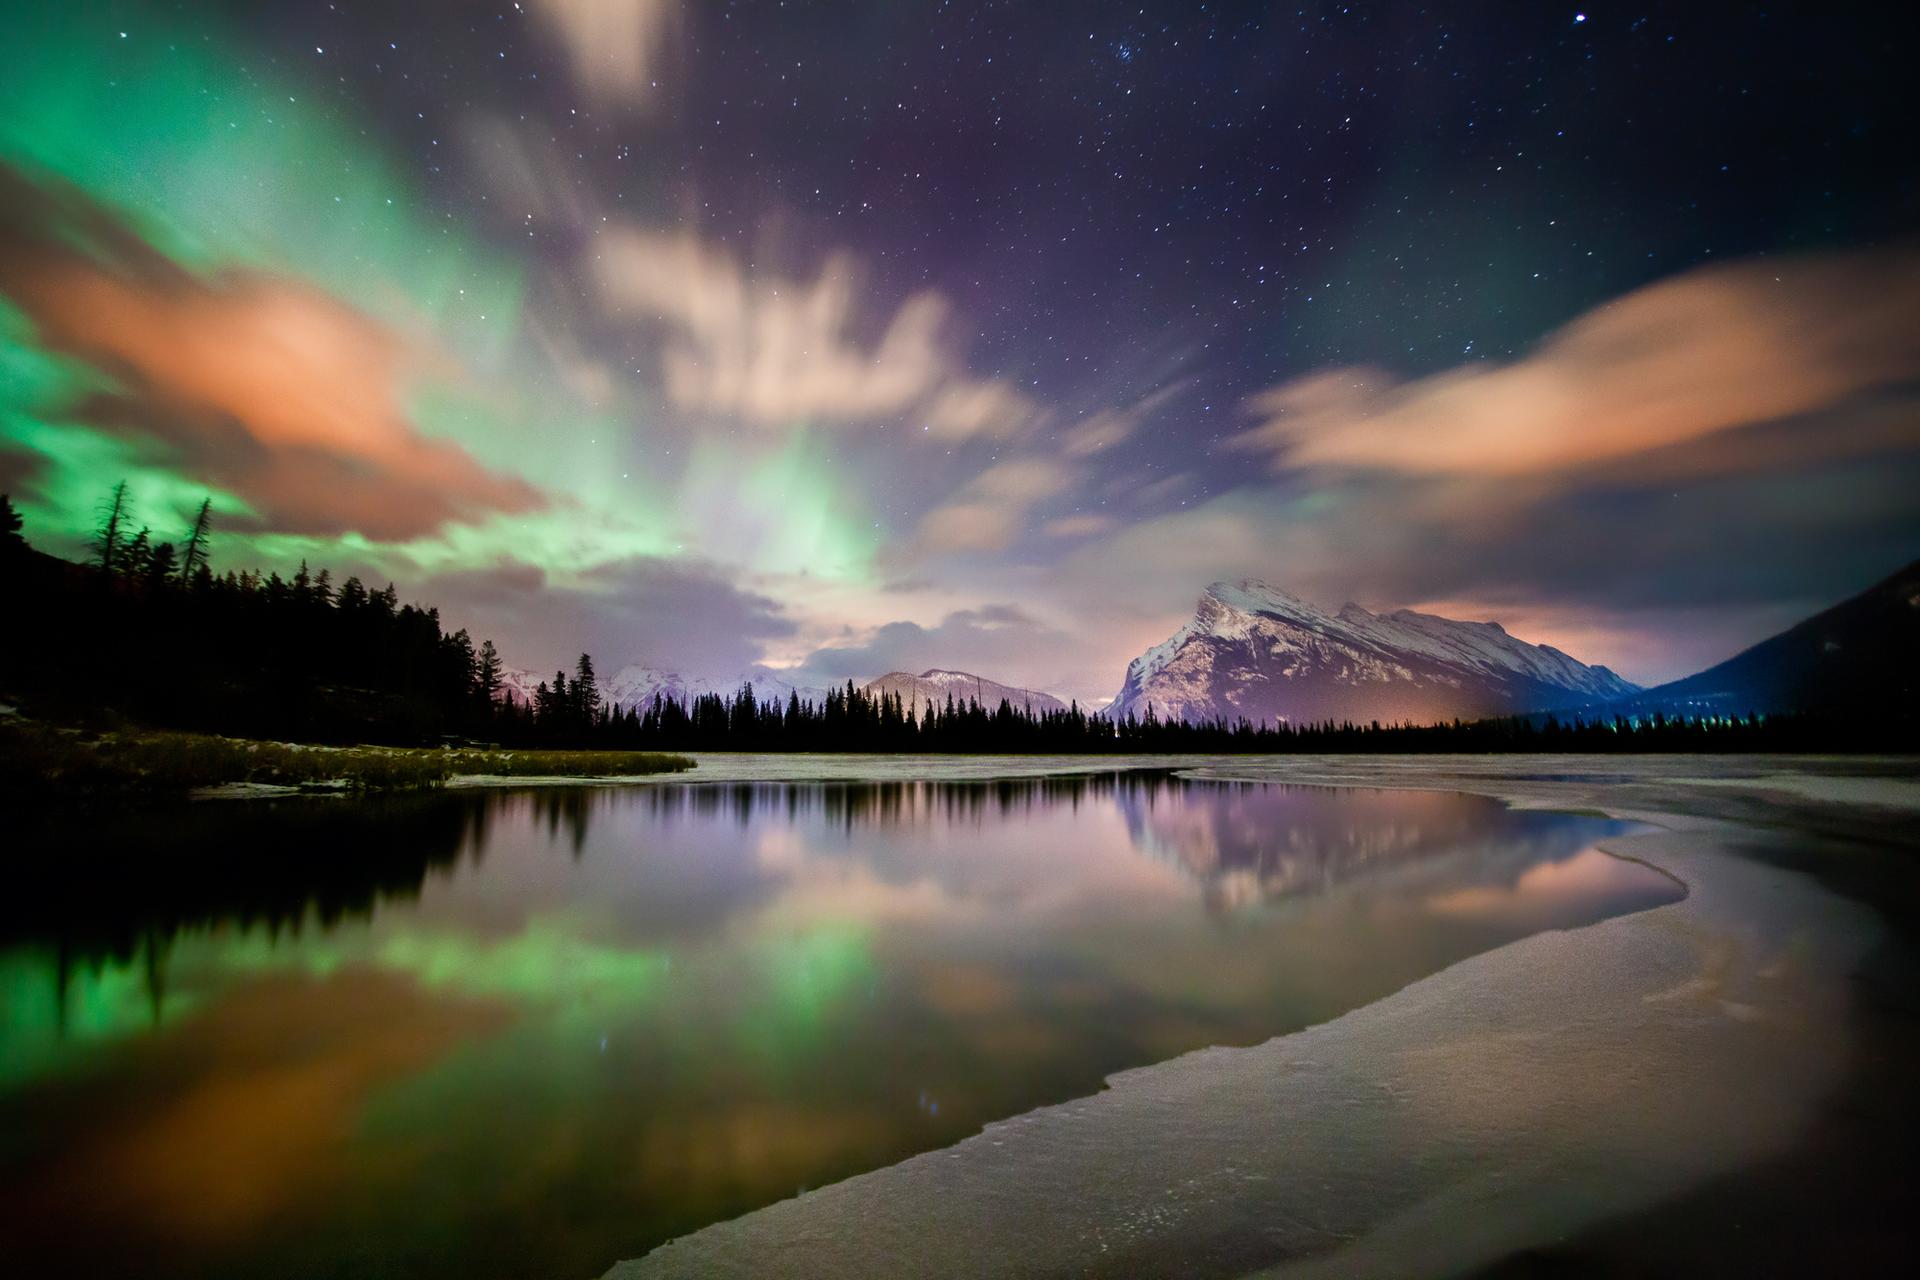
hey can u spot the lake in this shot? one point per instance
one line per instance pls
(533, 1032)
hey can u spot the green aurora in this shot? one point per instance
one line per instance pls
(222, 165)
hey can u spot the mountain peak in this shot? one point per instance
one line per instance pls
(1250, 596)
(1255, 651)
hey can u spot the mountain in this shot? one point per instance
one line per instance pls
(519, 683)
(934, 686)
(1257, 652)
(633, 686)
(1860, 658)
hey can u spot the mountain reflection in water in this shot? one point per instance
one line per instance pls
(532, 1032)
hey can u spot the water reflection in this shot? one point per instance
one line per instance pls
(528, 1033)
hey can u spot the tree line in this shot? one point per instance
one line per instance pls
(852, 720)
(148, 631)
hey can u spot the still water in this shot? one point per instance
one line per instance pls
(530, 1033)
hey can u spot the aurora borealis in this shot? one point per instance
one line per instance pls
(851, 338)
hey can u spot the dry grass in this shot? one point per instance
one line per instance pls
(36, 756)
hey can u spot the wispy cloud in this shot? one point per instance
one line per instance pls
(1673, 364)
(1084, 525)
(989, 513)
(620, 49)
(1001, 641)
(776, 351)
(1107, 428)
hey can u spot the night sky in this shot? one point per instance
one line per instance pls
(863, 337)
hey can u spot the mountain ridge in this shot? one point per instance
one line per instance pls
(935, 684)
(1854, 658)
(1252, 650)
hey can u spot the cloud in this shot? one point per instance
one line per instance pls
(1097, 434)
(989, 513)
(677, 615)
(778, 352)
(1667, 366)
(1664, 580)
(261, 385)
(1000, 641)
(619, 48)
(1109, 427)
(1080, 526)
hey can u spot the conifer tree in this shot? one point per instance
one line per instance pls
(194, 558)
(160, 564)
(486, 676)
(109, 538)
(138, 554)
(586, 692)
(11, 539)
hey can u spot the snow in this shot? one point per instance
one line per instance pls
(936, 683)
(633, 687)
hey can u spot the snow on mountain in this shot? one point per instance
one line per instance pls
(1254, 651)
(518, 682)
(633, 686)
(935, 685)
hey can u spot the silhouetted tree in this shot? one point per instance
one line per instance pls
(586, 692)
(138, 554)
(110, 536)
(160, 565)
(486, 676)
(194, 558)
(11, 539)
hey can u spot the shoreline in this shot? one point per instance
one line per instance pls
(1525, 1098)
(45, 761)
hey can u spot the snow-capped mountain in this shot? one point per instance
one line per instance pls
(935, 685)
(633, 686)
(1257, 652)
(519, 683)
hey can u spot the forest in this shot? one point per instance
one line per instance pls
(147, 633)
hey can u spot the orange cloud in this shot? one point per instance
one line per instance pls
(1658, 370)
(989, 513)
(1085, 525)
(264, 385)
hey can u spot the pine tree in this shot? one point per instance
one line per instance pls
(10, 536)
(160, 564)
(486, 676)
(109, 538)
(586, 692)
(194, 559)
(138, 555)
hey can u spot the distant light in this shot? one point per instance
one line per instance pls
(1579, 17)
